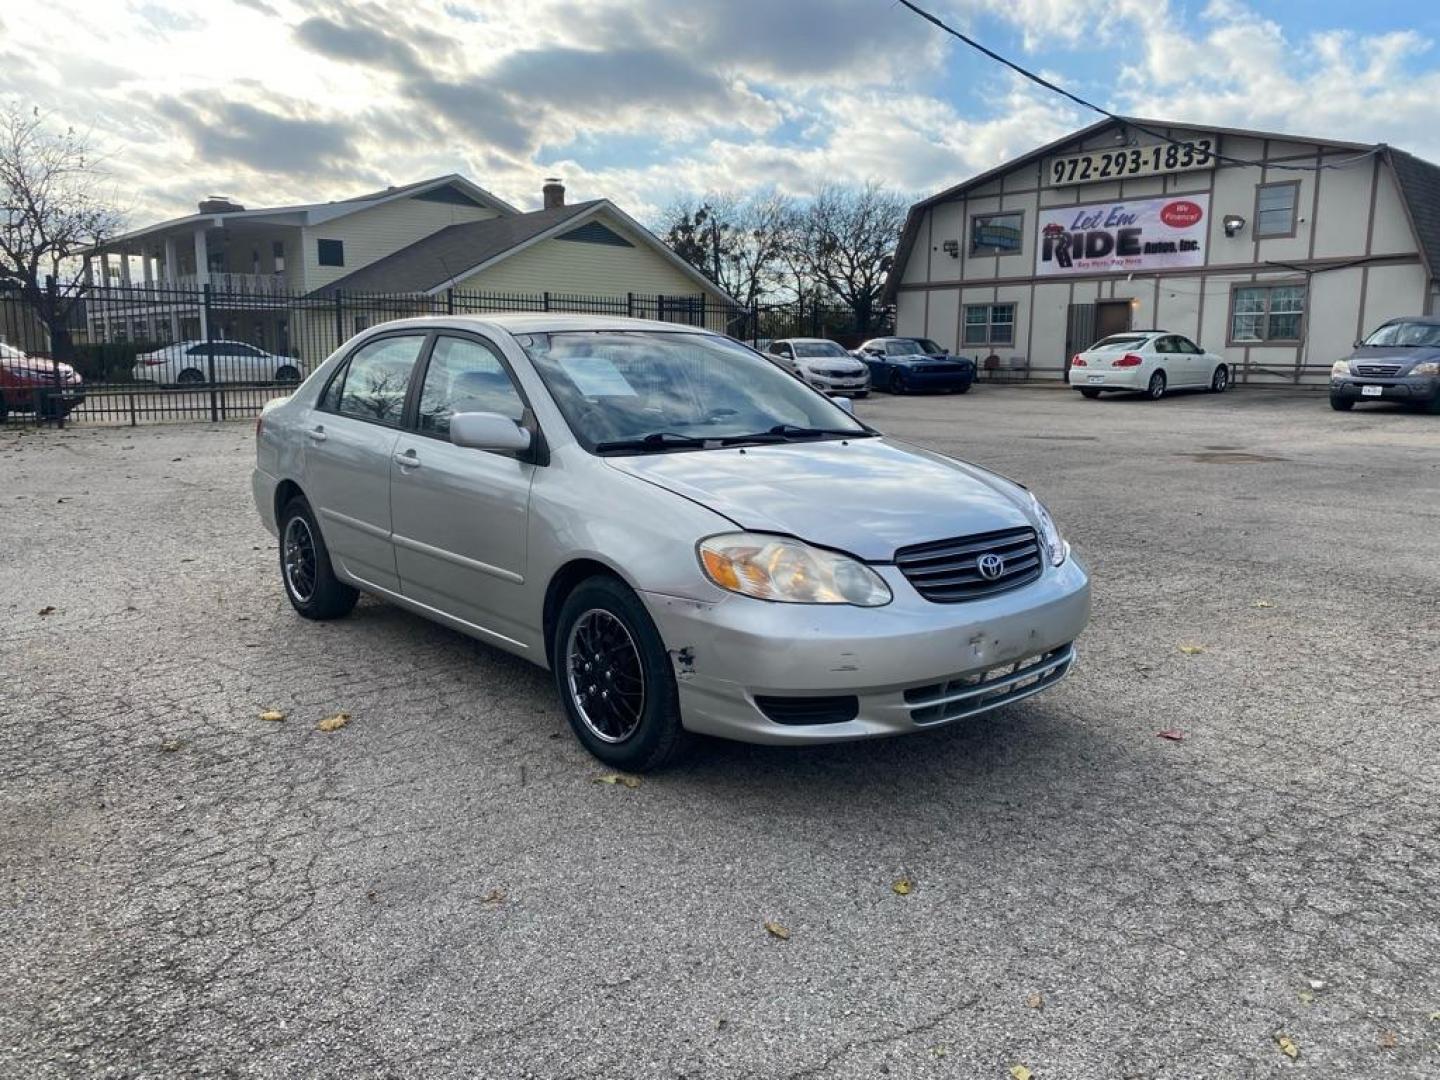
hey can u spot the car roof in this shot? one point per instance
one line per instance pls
(807, 340)
(544, 323)
(1428, 320)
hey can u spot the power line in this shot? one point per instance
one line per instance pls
(1040, 80)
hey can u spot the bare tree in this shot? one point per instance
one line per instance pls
(846, 240)
(735, 240)
(52, 212)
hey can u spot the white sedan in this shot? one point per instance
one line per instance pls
(188, 363)
(1148, 361)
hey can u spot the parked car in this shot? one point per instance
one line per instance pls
(904, 364)
(187, 363)
(691, 540)
(1400, 361)
(1151, 362)
(822, 363)
(30, 384)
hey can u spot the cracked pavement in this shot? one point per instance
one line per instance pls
(441, 889)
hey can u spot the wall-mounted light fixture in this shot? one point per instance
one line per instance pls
(951, 248)
(1233, 224)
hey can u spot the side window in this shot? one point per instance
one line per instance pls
(465, 376)
(1165, 345)
(374, 384)
(787, 351)
(1186, 345)
(330, 252)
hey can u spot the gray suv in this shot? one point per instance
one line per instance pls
(1400, 361)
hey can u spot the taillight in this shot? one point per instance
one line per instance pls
(152, 363)
(1128, 360)
(1077, 361)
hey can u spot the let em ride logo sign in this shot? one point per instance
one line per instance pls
(1128, 235)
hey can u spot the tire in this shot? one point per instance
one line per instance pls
(1341, 404)
(190, 377)
(1155, 390)
(1220, 381)
(4, 409)
(287, 375)
(1089, 392)
(326, 597)
(964, 389)
(639, 729)
(896, 383)
(1433, 408)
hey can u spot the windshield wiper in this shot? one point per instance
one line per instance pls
(656, 440)
(788, 432)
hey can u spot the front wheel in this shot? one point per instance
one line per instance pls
(310, 581)
(1220, 381)
(897, 382)
(1089, 392)
(614, 678)
(964, 388)
(1341, 404)
(1156, 388)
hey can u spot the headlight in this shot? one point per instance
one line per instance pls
(779, 568)
(1058, 549)
(1340, 369)
(1430, 367)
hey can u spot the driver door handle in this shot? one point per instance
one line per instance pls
(317, 433)
(408, 460)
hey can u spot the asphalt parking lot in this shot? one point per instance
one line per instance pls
(442, 888)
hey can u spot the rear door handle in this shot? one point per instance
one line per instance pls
(408, 460)
(318, 434)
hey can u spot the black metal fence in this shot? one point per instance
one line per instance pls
(128, 355)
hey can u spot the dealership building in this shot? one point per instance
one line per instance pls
(1276, 251)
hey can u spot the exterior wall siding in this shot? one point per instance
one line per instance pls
(372, 234)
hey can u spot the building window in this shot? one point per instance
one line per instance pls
(1261, 313)
(996, 234)
(277, 250)
(330, 252)
(1275, 208)
(989, 324)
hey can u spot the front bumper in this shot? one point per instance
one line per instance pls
(840, 384)
(909, 665)
(938, 380)
(1415, 388)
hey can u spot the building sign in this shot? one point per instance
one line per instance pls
(1127, 161)
(1123, 236)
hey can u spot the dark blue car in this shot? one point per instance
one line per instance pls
(904, 364)
(1398, 362)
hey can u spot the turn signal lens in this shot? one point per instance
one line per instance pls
(1078, 361)
(1128, 360)
(789, 571)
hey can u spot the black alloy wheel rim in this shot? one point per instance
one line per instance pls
(604, 675)
(299, 559)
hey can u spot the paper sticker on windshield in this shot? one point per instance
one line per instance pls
(596, 376)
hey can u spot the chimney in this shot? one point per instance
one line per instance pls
(554, 192)
(219, 204)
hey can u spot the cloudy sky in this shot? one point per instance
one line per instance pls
(276, 101)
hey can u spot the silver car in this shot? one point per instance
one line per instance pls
(690, 539)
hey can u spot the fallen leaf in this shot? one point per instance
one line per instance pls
(1035, 1001)
(1262, 604)
(939, 1051)
(372, 897)
(169, 746)
(1173, 734)
(1192, 650)
(273, 715)
(1388, 1040)
(903, 887)
(48, 609)
(1306, 997)
(1287, 1046)
(494, 896)
(631, 782)
(334, 723)
(776, 930)
(1435, 1017)
(1020, 1072)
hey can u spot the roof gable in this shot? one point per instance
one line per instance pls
(1419, 182)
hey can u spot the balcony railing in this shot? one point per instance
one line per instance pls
(237, 284)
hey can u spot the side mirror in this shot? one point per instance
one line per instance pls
(488, 431)
(846, 405)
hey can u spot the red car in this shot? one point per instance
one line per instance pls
(28, 384)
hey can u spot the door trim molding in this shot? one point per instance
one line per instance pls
(355, 523)
(453, 621)
(458, 560)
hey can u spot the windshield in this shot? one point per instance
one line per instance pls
(1119, 341)
(1425, 335)
(683, 390)
(901, 347)
(818, 348)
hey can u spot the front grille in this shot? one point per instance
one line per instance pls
(948, 571)
(833, 373)
(810, 710)
(942, 369)
(1382, 371)
(967, 695)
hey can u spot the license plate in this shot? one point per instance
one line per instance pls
(1094, 378)
(1372, 391)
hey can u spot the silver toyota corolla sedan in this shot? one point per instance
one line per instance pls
(689, 538)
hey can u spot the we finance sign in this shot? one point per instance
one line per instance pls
(1130, 235)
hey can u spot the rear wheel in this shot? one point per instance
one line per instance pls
(1155, 390)
(1341, 404)
(287, 375)
(1220, 381)
(310, 581)
(190, 377)
(614, 678)
(1089, 392)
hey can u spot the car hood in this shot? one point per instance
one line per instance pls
(867, 497)
(839, 363)
(1407, 356)
(929, 358)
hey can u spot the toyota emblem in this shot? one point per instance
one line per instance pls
(990, 565)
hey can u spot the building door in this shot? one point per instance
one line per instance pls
(1079, 332)
(1112, 317)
